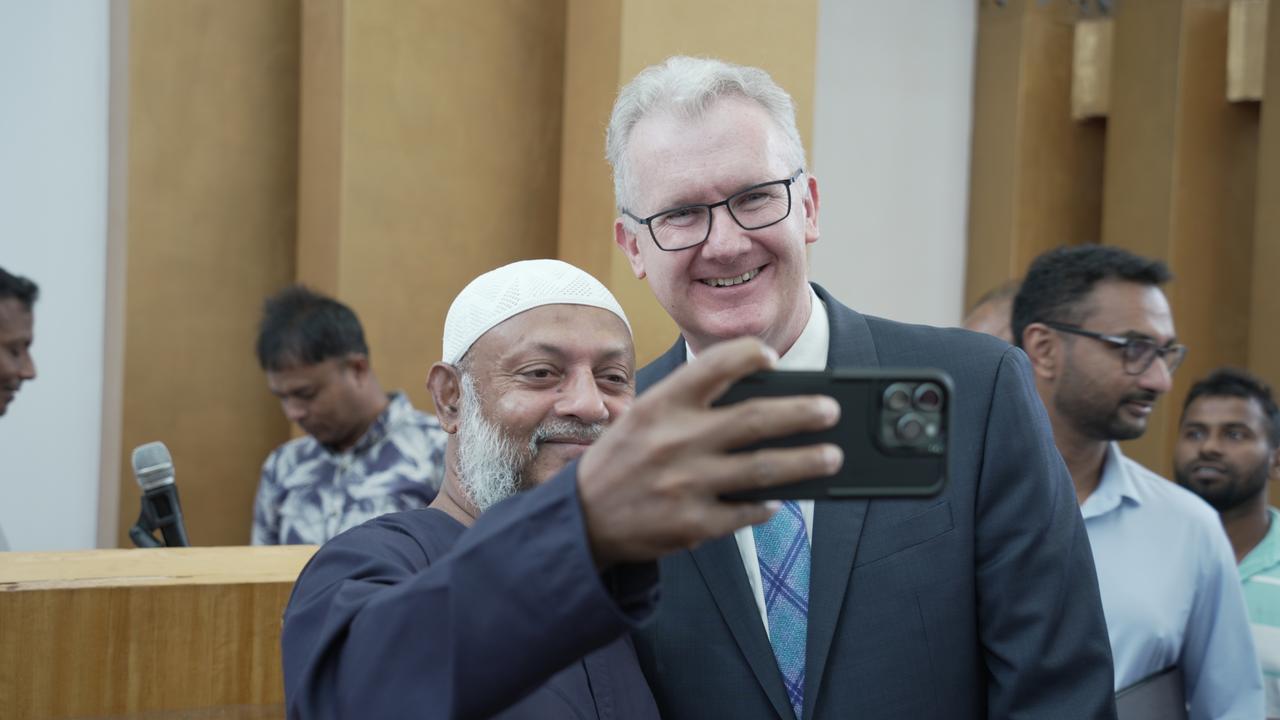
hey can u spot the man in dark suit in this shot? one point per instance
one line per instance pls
(979, 603)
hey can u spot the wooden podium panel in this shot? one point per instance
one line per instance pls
(136, 633)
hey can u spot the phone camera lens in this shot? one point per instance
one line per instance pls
(928, 397)
(910, 428)
(897, 397)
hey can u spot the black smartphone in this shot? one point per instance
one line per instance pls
(893, 429)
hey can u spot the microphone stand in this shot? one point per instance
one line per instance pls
(142, 537)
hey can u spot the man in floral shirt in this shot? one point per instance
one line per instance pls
(366, 453)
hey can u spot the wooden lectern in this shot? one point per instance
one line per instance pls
(156, 634)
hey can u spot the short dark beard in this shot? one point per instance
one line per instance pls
(1094, 415)
(1235, 492)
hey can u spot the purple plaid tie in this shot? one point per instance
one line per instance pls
(782, 548)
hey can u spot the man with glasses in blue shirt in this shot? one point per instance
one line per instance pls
(1101, 339)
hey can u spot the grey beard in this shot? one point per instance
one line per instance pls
(489, 464)
(491, 467)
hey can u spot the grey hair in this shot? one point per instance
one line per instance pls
(689, 86)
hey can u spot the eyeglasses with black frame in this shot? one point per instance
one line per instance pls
(1138, 352)
(754, 208)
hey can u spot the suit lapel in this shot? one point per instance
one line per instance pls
(663, 366)
(837, 524)
(720, 563)
(836, 528)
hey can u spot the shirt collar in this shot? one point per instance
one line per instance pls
(1266, 554)
(1114, 487)
(397, 409)
(809, 351)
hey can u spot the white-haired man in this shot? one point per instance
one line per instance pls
(982, 602)
(496, 601)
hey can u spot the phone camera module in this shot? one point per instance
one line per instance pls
(911, 428)
(927, 397)
(897, 397)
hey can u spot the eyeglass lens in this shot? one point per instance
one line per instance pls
(1139, 354)
(752, 209)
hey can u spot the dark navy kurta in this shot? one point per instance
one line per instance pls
(412, 615)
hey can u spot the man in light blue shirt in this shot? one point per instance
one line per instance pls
(1101, 340)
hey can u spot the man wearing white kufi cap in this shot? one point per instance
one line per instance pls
(537, 361)
(477, 606)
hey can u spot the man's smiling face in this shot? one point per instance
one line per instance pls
(739, 282)
(539, 388)
(16, 336)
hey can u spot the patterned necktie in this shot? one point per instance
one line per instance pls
(782, 548)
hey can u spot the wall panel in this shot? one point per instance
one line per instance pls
(1264, 306)
(1180, 177)
(211, 219)
(431, 153)
(1036, 173)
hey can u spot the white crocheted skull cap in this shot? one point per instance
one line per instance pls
(505, 292)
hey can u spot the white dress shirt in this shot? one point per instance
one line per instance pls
(808, 352)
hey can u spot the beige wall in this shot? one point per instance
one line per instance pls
(1172, 172)
(387, 151)
(1264, 302)
(431, 153)
(1180, 183)
(209, 231)
(1036, 174)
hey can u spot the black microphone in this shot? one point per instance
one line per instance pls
(153, 466)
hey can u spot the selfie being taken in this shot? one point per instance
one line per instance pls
(639, 360)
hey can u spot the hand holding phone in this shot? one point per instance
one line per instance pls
(893, 430)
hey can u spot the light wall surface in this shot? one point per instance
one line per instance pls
(892, 122)
(891, 125)
(53, 214)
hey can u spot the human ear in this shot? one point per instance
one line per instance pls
(444, 381)
(358, 365)
(626, 240)
(810, 207)
(1044, 349)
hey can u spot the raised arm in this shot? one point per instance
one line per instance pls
(375, 629)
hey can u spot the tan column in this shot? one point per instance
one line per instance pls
(608, 42)
(1036, 173)
(430, 154)
(210, 185)
(1264, 340)
(1180, 179)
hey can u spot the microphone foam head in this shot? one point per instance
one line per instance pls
(153, 465)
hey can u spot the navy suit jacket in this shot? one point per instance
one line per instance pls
(981, 602)
(410, 615)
